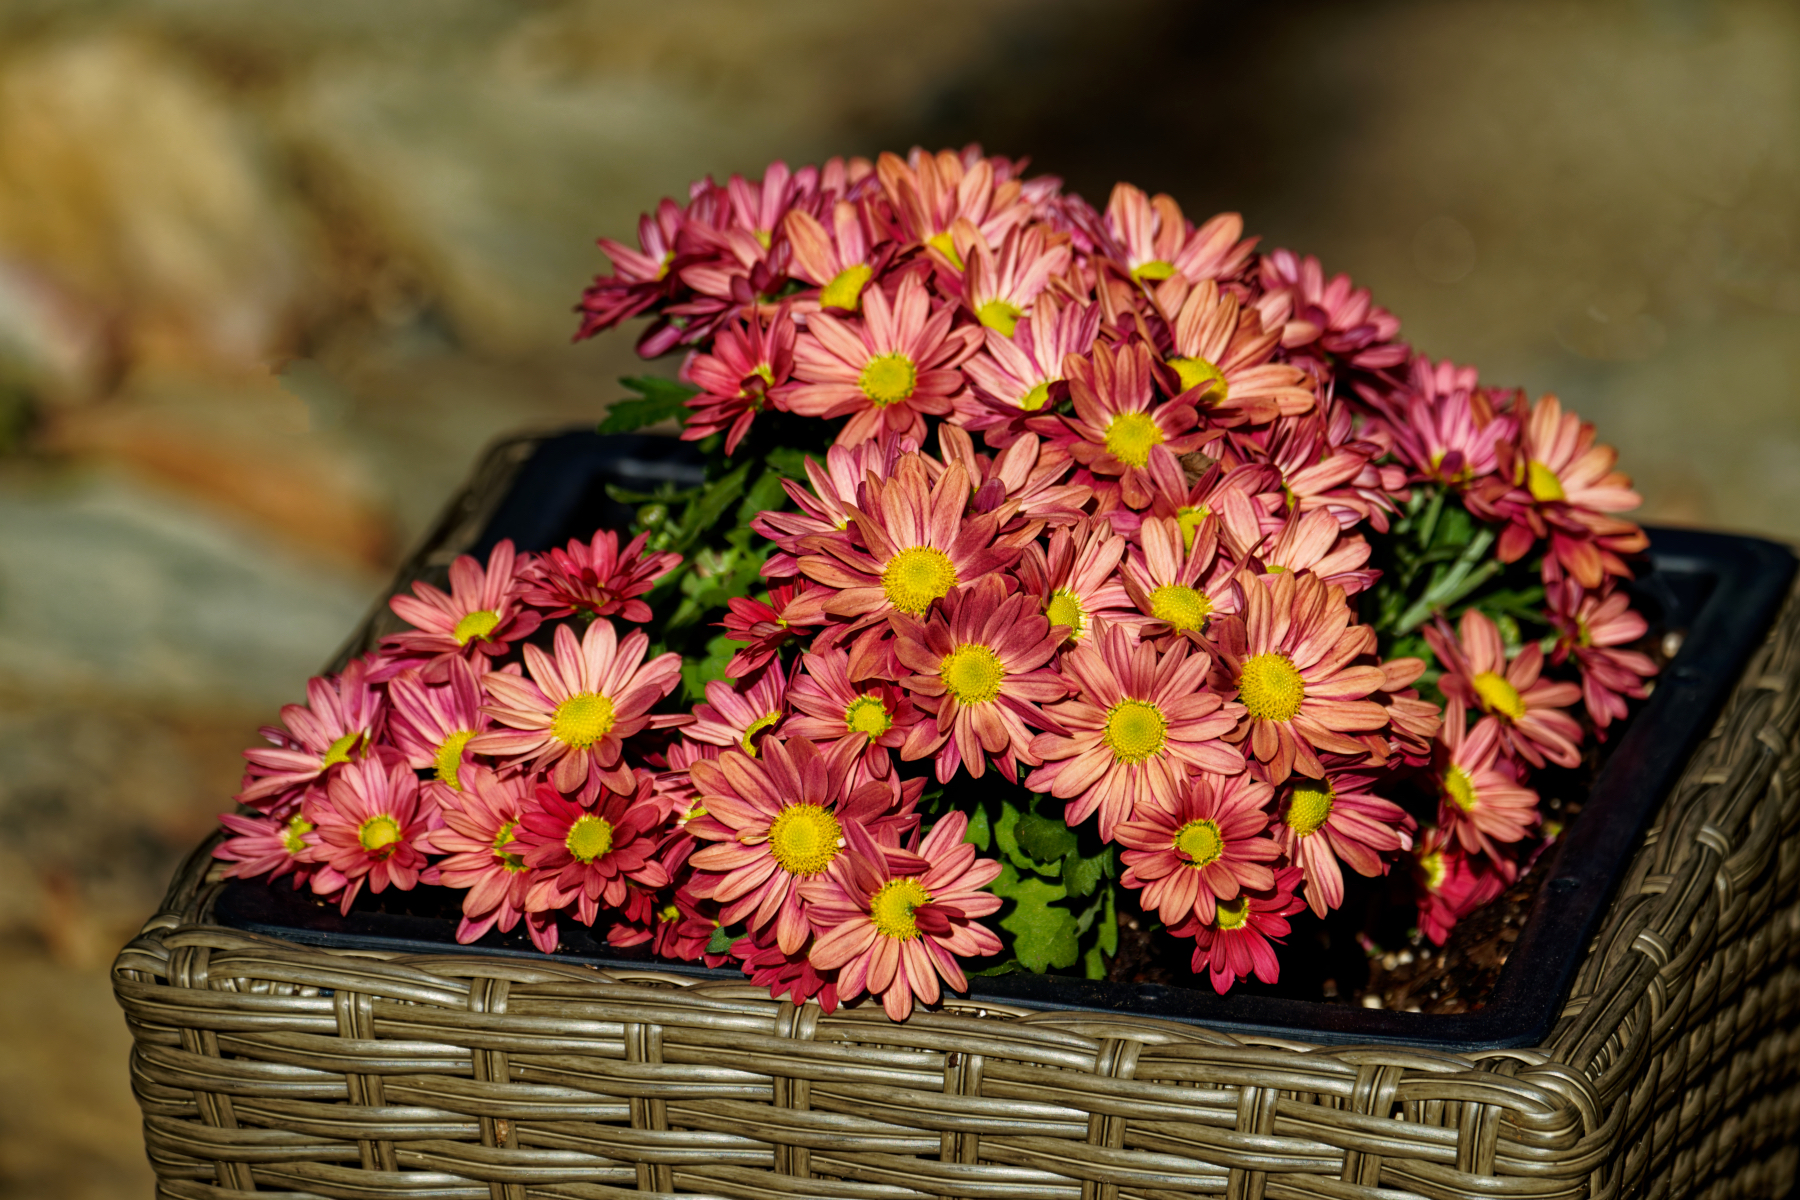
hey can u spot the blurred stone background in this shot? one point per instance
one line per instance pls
(271, 275)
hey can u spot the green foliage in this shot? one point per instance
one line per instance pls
(659, 399)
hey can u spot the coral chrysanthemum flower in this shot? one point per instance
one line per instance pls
(873, 715)
(1481, 802)
(1154, 242)
(1451, 884)
(1236, 943)
(1290, 658)
(482, 615)
(1013, 377)
(685, 927)
(776, 820)
(1529, 708)
(825, 505)
(1119, 426)
(1179, 589)
(1445, 427)
(574, 712)
(370, 827)
(839, 261)
(1592, 627)
(480, 835)
(886, 372)
(642, 276)
(1001, 287)
(1210, 847)
(598, 578)
(1334, 316)
(931, 192)
(594, 853)
(1314, 541)
(980, 662)
(1139, 723)
(895, 935)
(785, 973)
(1325, 821)
(749, 365)
(1026, 480)
(340, 720)
(271, 846)
(740, 715)
(432, 726)
(762, 625)
(1076, 577)
(1221, 349)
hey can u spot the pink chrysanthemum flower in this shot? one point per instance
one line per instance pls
(1179, 589)
(482, 615)
(1254, 488)
(1119, 426)
(832, 489)
(1481, 802)
(685, 927)
(1026, 481)
(480, 836)
(573, 714)
(371, 827)
(1075, 577)
(839, 260)
(749, 365)
(1451, 884)
(1139, 724)
(1315, 542)
(1412, 722)
(1221, 350)
(641, 277)
(931, 192)
(598, 578)
(1211, 847)
(340, 720)
(785, 973)
(1592, 628)
(1444, 426)
(1334, 316)
(1337, 818)
(760, 624)
(874, 716)
(1290, 659)
(888, 371)
(895, 935)
(271, 846)
(1017, 375)
(432, 726)
(776, 820)
(1001, 287)
(593, 854)
(1324, 466)
(980, 663)
(1154, 242)
(1528, 707)
(740, 715)
(1236, 943)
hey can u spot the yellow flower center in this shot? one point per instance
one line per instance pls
(1037, 397)
(916, 576)
(1131, 436)
(475, 625)
(339, 751)
(582, 720)
(845, 289)
(1545, 486)
(1432, 865)
(503, 837)
(888, 379)
(1460, 787)
(868, 715)
(1270, 687)
(1135, 731)
(378, 834)
(293, 837)
(1232, 913)
(1309, 807)
(972, 672)
(1197, 372)
(1153, 271)
(804, 838)
(1182, 607)
(449, 758)
(590, 837)
(1189, 518)
(944, 244)
(1065, 608)
(1000, 316)
(1497, 695)
(748, 741)
(891, 908)
(1200, 842)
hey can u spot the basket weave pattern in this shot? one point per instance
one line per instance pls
(273, 1068)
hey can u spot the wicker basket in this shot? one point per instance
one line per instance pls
(273, 1068)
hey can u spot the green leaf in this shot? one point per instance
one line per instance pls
(764, 495)
(721, 940)
(1006, 837)
(1045, 838)
(788, 461)
(979, 835)
(1044, 933)
(1010, 966)
(1082, 875)
(711, 504)
(697, 673)
(660, 400)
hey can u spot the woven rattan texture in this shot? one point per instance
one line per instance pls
(284, 1070)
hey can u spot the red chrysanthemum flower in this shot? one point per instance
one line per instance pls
(1451, 884)
(598, 578)
(370, 827)
(480, 835)
(760, 624)
(931, 192)
(874, 716)
(271, 846)
(785, 973)
(1592, 628)
(832, 489)
(1119, 425)
(432, 726)
(1212, 845)
(685, 928)
(1076, 579)
(593, 852)
(1337, 819)
(750, 363)
(641, 277)
(1335, 316)
(1179, 589)
(341, 720)
(740, 714)
(1014, 375)
(1481, 802)
(1220, 350)
(482, 615)
(1026, 482)
(1528, 707)
(1237, 942)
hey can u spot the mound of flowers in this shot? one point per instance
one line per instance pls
(1053, 564)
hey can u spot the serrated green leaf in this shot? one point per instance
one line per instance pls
(764, 495)
(788, 461)
(659, 400)
(711, 504)
(1006, 837)
(696, 673)
(1044, 933)
(1082, 875)
(1044, 837)
(721, 940)
(979, 835)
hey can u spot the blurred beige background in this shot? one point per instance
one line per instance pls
(271, 275)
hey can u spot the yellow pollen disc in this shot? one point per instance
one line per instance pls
(1270, 687)
(503, 837)
(1000, 316)
(845, 291)
(916, 576)
(804, 838)
(1584, 637)
(1065, 608)
(1182, 607)
(449, 758)
(891, 908)
(662, 270)
(668, 914)
(763, 237)
(1309, 807)
(972, 673)
(1131, 437)
(582, 720)
(590, 837)
(748, 741)
(868, 715)
(1200, 842)
(378, 834)
(1232, 913)
(1197, 372)
(475, 625)
(1434, 870)
(1153, 271)
(944, 244)
(888, 379)
(1497, 695)
(1135, 731)
(1460, 788)
(1037, 397)
(763, 372)
(293, 837)
(1189, 518)
(1542, 481)
(339, 751)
